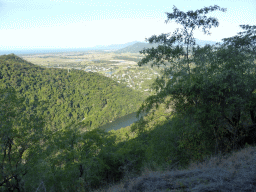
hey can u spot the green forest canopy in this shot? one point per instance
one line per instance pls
(214, 110)
(65, 97)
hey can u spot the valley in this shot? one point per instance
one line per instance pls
(121, 67)
(73, 114)
(96, 119)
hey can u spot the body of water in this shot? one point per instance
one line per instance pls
(110, 72)
(24, 51)
(124, 121)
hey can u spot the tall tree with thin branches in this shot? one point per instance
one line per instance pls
(214, 87)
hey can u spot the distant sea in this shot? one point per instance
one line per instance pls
(43, 51)
(104, 48)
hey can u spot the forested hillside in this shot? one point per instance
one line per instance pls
(207, 108)
(67, 96)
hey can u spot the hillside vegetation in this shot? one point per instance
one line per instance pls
(39, 108)
(67, 96)
(206, 108)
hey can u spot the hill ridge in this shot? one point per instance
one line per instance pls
(138, 46)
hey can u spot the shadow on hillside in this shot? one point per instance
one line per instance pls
(229, 171)
(232, 172)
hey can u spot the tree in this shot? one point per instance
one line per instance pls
(236, 58)
(20, 136)
(213, 88)
(165, 52)
(175, 55)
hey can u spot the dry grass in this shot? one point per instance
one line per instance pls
(233, 172)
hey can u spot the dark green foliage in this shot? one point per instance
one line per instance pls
(45, 145)
(215, 92)
(68, 96)
(60, 154)
(21, 135)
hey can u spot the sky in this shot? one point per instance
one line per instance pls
(40, 24)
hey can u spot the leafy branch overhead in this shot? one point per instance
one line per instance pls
(210, 90)
(187, 20)
(214, 84)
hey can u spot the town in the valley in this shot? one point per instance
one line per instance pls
(121, 67)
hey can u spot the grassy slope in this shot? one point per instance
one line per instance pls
(167, 168)
(234, 171)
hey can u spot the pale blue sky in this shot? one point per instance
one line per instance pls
(76, 24)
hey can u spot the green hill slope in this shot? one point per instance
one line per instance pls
(67, 97)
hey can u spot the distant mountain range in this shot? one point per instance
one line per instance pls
(132, 47)
(138, 46)
(115, 46)
(112, 47)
